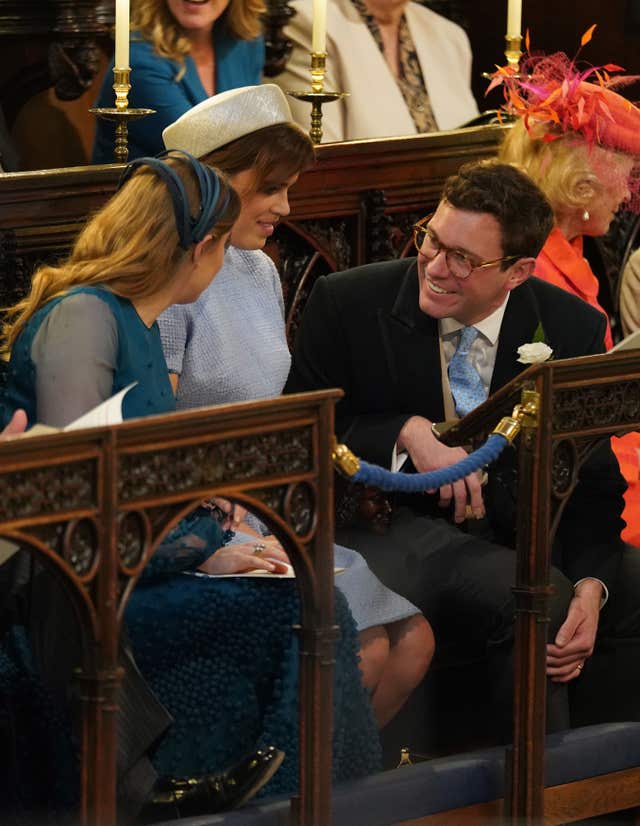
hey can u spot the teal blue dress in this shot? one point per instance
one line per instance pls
(155, 85)
(220, 654)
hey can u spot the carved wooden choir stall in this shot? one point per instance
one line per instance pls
(356, 205)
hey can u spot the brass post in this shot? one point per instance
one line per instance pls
(317, 95)
(513, 52)
(121, 113)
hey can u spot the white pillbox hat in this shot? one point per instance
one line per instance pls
(222, 118)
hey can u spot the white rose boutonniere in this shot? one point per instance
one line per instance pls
(534, 353)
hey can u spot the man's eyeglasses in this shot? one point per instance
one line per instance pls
(459, 263)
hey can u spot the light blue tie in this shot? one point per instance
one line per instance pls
(466, 385)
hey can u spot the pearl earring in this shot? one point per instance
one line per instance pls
(585, 215)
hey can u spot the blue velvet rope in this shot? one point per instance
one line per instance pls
(417, 482)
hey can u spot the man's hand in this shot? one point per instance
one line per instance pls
(427, 453)
(17, 425)
(576, 637)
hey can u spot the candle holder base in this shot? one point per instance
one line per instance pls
(317, 99)
(121, 118)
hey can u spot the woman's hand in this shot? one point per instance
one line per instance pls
(233, 514)
(237, 559)
(17, 425)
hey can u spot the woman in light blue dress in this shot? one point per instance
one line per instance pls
(230, 345)
(221, 656)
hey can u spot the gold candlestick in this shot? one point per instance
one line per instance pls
(121, 113)
(513, 53)
(317, 96)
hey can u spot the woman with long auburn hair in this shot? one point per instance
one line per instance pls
(182, 51)
(142, 252)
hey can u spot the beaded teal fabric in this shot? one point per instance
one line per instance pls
(39, 782)
(228, 673)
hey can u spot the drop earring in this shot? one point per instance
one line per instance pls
(585, 215)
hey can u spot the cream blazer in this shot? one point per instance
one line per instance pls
(630, 295)
(375, 107)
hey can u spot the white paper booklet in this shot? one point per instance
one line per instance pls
(106, 413)
(261, 574)
(631, 342)
(7, 549)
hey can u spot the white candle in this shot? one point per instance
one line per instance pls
(514, 18)
(319, 30)
(122, 34)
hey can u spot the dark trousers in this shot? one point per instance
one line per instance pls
(609, 687)
(463, 585)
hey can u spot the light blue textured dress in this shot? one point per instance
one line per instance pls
(230, 346)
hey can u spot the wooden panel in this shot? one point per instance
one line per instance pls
(589, 798)
(356, 205)
(152, 469)
(562, 804)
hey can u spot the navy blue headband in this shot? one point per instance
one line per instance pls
(191, 229)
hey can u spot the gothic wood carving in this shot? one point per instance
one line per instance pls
(53, 43)
(378, 226)
(95, 504)
(582, 402)
(278, 47)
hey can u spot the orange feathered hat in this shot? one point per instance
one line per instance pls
(551, 90)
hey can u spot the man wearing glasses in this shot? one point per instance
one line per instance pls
(419, 340)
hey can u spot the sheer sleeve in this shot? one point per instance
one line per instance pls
(74, 353)
(188, 545)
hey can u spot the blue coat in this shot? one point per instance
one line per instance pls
(153, 86)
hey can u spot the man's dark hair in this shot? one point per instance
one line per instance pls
(502, 190)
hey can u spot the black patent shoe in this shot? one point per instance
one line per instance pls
(175, 797)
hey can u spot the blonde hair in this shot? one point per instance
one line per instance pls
(130, 246)
(155, 23)
(562, 168)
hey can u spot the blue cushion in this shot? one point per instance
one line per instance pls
(450, 782)
(580, 753)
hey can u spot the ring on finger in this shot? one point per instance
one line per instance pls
(259, 548)
(580, 666)
(469, 513)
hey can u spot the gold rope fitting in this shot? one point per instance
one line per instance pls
(509, 427)
(524, 414)
(405, 757)
(346, 461)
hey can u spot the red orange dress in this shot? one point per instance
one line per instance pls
(561, 262)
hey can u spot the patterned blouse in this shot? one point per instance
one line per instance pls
(410, 80)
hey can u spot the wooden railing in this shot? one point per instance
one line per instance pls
(93, 505)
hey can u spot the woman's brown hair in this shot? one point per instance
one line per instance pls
(281, 150)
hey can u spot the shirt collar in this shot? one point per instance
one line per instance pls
(489, 327)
